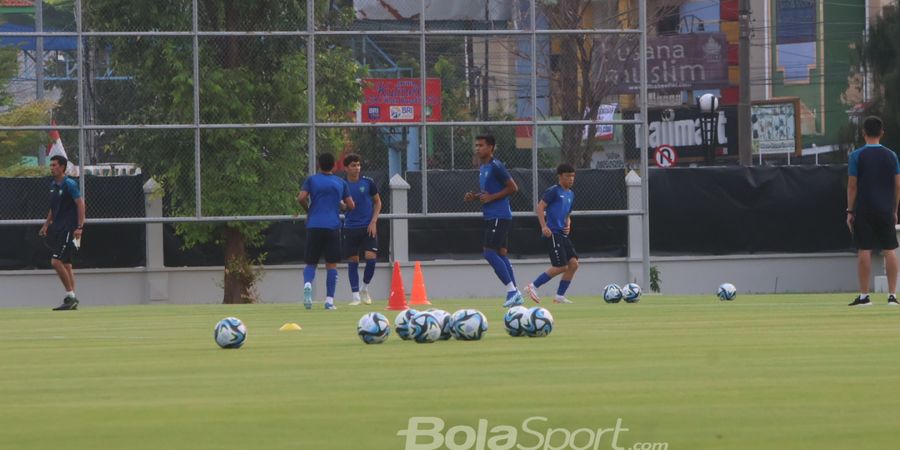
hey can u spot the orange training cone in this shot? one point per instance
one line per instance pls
(397, 300)
(418, 296)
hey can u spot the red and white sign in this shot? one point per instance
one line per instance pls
(400, 100)
(55, 147)
(665, 156)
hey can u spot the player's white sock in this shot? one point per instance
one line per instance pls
(364, 287)
(863, 296)
(70, 294)
(356, 296)
(510, 287)
(329, 300)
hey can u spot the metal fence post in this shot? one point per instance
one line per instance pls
(645, 145)
(453, 148)
(399, 227)
(311, 86)
(195, 74)
(423, 104)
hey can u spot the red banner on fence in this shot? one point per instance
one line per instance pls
(399, 100)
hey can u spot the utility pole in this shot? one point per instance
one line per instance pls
(745, 143)
(39, 65)
(484, 73)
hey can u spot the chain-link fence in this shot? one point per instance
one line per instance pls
(225, 105)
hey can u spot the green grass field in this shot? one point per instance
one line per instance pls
(774, 372)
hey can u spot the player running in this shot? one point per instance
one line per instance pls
(554, 214)
(496, 187)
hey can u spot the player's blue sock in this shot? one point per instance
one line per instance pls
(512, 276)
(563, 285)
(331, 282)
(541, 279)
(309, 273)
(497, 263)
(353, 274)
(369, 272)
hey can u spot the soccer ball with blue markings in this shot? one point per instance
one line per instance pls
(537, 322)
(631, 293)
(230, 332)
(443, 318)
(373, 328)
(512, 320)
(612, 293)
(401, 324)
(468, 325)
(726, 291)
(424, 328)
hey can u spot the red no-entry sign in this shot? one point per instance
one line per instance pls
(665, 156)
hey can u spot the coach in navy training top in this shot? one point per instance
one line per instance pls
(553, 212)
(360, 230)
(63, 227)
(321, 195)
(873, 190)
(496, 185)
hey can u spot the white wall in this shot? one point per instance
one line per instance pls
(832, 272)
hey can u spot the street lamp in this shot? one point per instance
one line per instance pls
(709, 124)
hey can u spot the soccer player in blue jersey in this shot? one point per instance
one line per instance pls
(873, 191)
(360, 231)
(496, 186)
(553, 212)
(321, 196)
(63, 227)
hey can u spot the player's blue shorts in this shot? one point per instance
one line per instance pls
(560, 248)
(62, 245)
(874, 231)
(496, 233)
(356, 240)
(322, 242)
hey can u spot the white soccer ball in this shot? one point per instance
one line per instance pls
(424, 328)
(631, 292)
(230, 332)
(468, 324)
(512, 320)
(612, 293)
(537, 322)
(708, 103)
(401, 323)
(443, 318)
(373, 328)
(727, 291)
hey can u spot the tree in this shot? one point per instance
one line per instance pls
(576, 77)
(258, 79)
(454, 106)
(880, 51)
(15, 144)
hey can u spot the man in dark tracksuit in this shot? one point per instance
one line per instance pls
(63, 227)
(873, 189)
